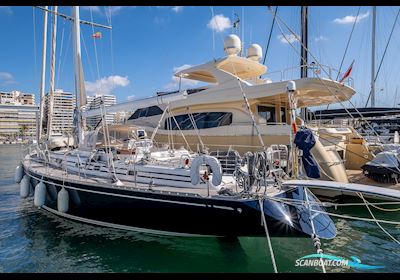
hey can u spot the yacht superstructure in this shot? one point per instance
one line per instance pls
(218, 111)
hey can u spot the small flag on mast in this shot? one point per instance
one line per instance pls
(347, 73)
(97, 35)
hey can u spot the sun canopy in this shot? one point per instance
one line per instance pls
(239, 66)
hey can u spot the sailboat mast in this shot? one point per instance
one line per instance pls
(304, 47)
(79, 79)
(42, 83)
(52, 74)
(304, 41)
(373, 57)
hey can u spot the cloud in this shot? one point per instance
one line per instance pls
(219, 23)
(130, 97)
(320, 38)
(177, 9)
(106, 84)
(289, 37)
(6, 79)
(5, 9)
(351, 19)
(185, 83)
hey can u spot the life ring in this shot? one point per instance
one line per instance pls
(214, 165)
(185, 160)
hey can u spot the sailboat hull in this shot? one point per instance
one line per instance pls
(169, 214)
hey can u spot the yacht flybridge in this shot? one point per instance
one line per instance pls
(239, 105)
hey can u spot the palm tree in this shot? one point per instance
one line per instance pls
(22, 130)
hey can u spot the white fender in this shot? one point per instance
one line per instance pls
(24, 187)
(19, 173)
(214, 165)
(62, 201)
(40, 195)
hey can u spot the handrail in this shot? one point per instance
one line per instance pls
(285, 75)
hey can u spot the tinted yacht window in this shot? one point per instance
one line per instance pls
(283, 114)
(267, 113)
(202, 120)
(146, 112)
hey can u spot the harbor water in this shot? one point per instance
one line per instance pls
(32, 240)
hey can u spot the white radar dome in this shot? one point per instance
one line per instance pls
(254, 52)
(232, 44)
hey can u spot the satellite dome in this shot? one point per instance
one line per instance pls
(232, 44)
(254, 52)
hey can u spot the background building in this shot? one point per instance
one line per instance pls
(63, 112)
(94, 102)
(16, 97)
(17, 114)
(120, 117)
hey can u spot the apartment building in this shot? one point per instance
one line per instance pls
(95, 102)
(17, 114)
(63, 112)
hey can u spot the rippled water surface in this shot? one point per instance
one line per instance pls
(32, 240)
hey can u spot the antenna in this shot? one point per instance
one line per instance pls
(373, 57)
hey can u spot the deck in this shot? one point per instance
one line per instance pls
(58, 174)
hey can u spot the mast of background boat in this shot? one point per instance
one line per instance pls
(42, 82)
(304, 47)
(291, 91)
(52, 73)
(373, 57)
(79, 79)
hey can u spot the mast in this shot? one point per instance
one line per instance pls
(79, 79)
(304, 41)
(52, 74)
(373, 57)
(304, 47)
(42, 83)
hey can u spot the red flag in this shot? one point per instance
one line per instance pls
(347, 73)
(97, 35)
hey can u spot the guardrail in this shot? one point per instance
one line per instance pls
(313, 70)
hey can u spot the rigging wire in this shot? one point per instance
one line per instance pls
(65, 56)
(60, 54)
(270, 35)
(324, 70)
(322, 80)
(95, 48)
(88, 57)
(373, 216)
(109, 20)
(245, 100)
(348, 42)
(264, 222)
(383, 56)
(34, 41)
(212, 30)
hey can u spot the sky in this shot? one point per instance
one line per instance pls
(148, 44)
